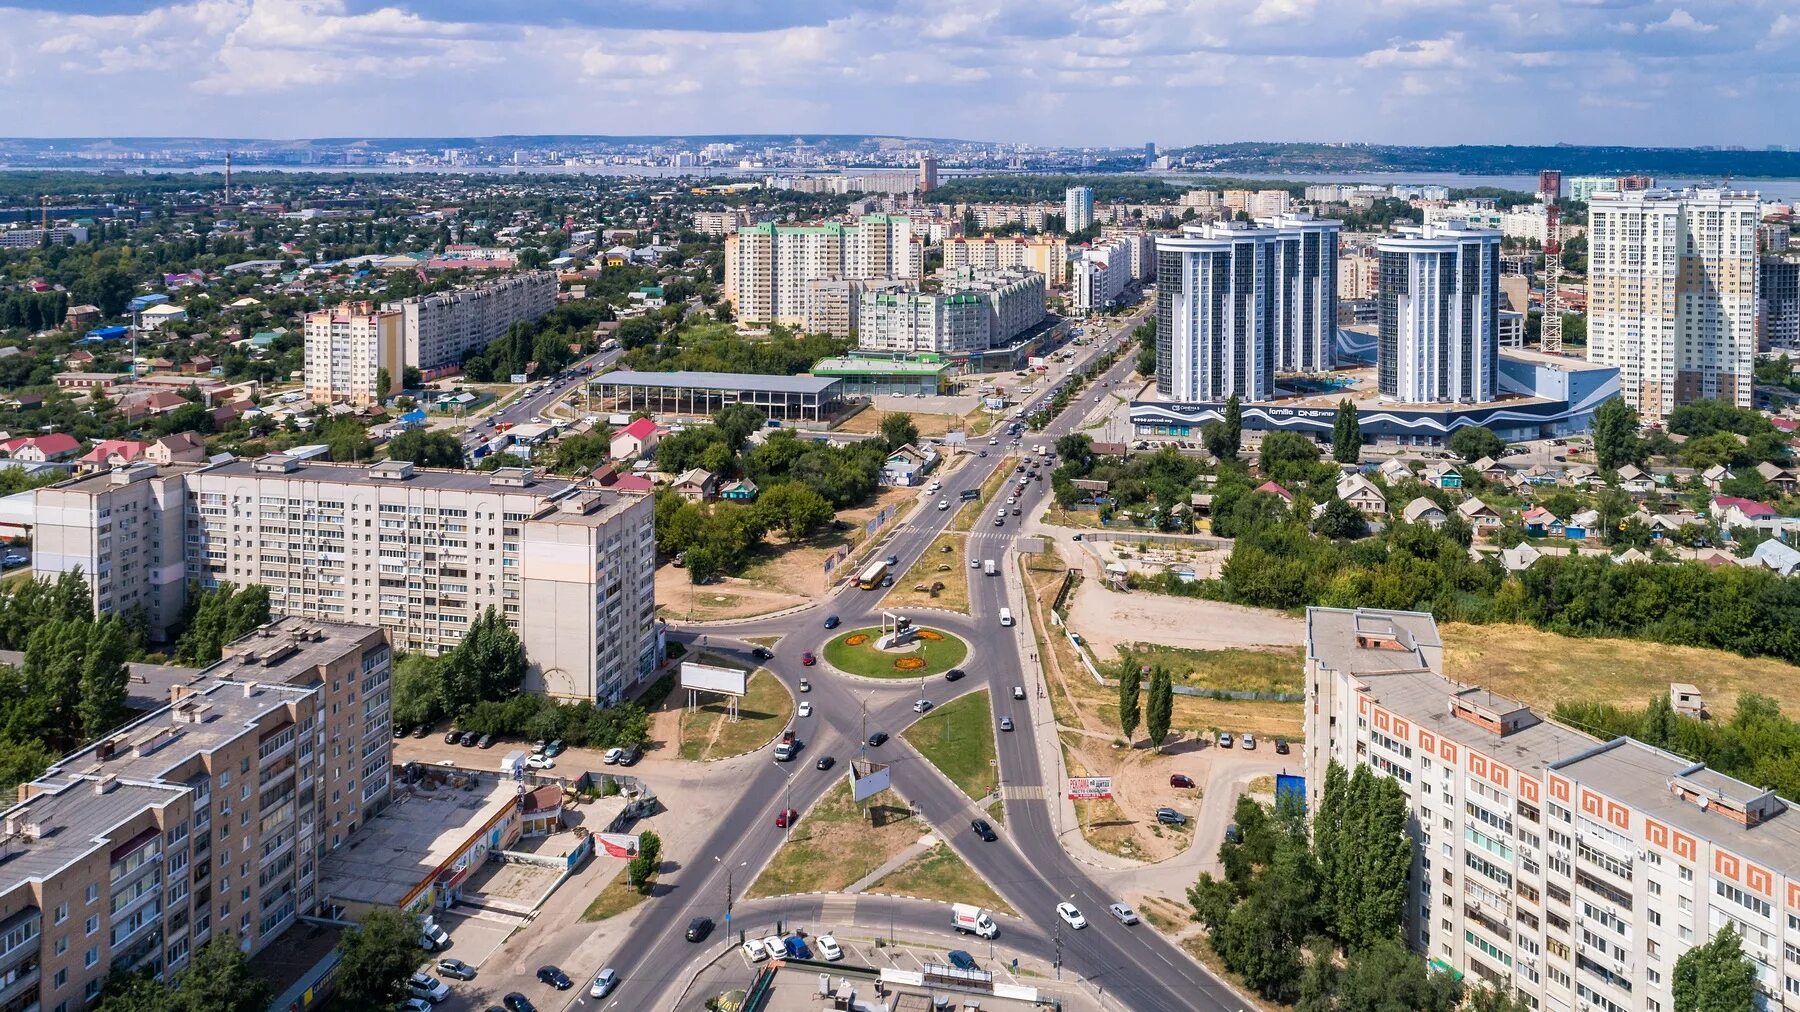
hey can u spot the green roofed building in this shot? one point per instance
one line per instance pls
(866, 376)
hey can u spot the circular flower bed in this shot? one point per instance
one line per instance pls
(856, 652)
(931, 634)
(856, 639)
(909, 663)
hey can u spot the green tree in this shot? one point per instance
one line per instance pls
(1130, 687)
(1332, 846)
(1340, 520)
(1715, 977)
(384, 383)
(376, 956)
(1159, 706)
(897, 430)
(1226, 439)
(1615, 435)
(1076, 450)
(213, 618)
(1346, 434)
(647, 862)
(411, 378)
(104, 677)
(1473, 442)
(347, 440)
(582, 454)
(1279, 448)
(418, 690)
(426, 449)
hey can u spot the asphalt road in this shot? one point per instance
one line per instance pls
(525, 408)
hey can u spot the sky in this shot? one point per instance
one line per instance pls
(1041, 72)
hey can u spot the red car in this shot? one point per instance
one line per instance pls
(808, 659)
(786, 818)
(1180, 780)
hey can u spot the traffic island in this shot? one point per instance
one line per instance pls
(940, 874)
(958, 739)
(875, 653)
(838, 843)
(710, 732)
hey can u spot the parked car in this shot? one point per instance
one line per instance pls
(983, 830)
(1225, 739)
(1071, 916)
(420, 731)
(796, 947)
(456, 969)
(1123, 914)
(786, 817)
(1249, 741)
(424, 985)
(1170, 817)
(825, 762)
(516, 1002)
(611, 758)
(486, 741)
(960, 959)
(540, 762)
(555, 748)
(399, 732)
(631, 755)
(604, 982)
(1281, 746)
(468, 739)
(553, 976)
(774, 945)
(452, 736)
(413, 1005)
(754, 951)
(1180, 780)
(828, 947)
(699, 928)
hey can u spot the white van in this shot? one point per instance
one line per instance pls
(1006, 616)
(987, 567)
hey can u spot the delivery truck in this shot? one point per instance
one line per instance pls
(972, 920)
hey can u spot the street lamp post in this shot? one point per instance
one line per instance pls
(728, 890)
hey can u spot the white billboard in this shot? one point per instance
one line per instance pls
(868, 779)
(712, 678)
(1089, 788)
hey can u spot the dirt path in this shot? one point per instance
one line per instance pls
(1107, 618)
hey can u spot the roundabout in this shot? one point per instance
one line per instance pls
(922, 651)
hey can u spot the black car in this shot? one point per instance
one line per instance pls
(699, 928)
(487, 741)
(1281, 746)
(455, 968)
(516, 1002)
(831, 621)
(468, 739)
(953, 674)
(762, 653)
(825, 762)
(877, 738)
(452, 736)
(631, 755)
(420, 731)
(399, 732)
(961, 959)
(554, 977)
(983, 830)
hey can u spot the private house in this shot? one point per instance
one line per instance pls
(1443, 476)
(908, 465)
(110, 453)
(1276, 490)
(177, 448)
(1393, 470)
(1731, 511)
(158, 315)
(39, 449)
(1479, 515)
(1783, 478)
(1361, 493)
(1541, 523)
(1491, 469)
(81, 316)
(697, 485)
(1519, 558)
(1772, 554)
(741, 490)
(1636, 480)
(1580, 476)
(1663, 524)
(1579, 526)
(1423, 511)
(635, 440)
(1716, 475)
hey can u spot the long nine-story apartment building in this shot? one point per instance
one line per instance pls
(419, 552)
(206, 819)
(1574, 869)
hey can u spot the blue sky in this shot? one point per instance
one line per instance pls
(1101, 72)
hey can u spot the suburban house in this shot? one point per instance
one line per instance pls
(38, 449)
(1276, 490)
(697, 485)
(1443, 476)
(110, 453)
(1580, 476)
(1423, 511)
(1490, 469)
(1393, 469)
(635, 440)
(1361, 493)
(1541, 523)
(741, 490)
(1479, 515)
(1774, 555)
(177, 448)
(1783, 478)
(1579, 526)
(1519, 558)
(1636, 480)
(908, 465)
(1731, 511)
(1716, 475)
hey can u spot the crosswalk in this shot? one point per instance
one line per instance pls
(998, 535)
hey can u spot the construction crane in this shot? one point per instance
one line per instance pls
(1550, 334)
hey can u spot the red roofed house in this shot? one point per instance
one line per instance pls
(177, 448)
(635, 440)
(111, 453)
(1730, 511)
(1276, 490)
(38, 449)
(634, 483)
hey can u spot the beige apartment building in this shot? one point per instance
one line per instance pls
(347, 347)
(419, 552)
(768, 267)
(1575, 869)
(1673, 280)
(1046, 254)
(206, 819)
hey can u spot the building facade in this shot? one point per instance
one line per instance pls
(1099, 275)
(1438, 337)
(1673, 282)
(437, 331)
(206, 819)
(1573, 869)
(1306, 292)
(419, 552)
(768, 266)
(1078, 208)
(347, 347)
(1046, 254)
(1779, 297)
(911, 322)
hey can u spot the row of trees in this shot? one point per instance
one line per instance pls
(217, 979)
(716, 347)
(1159, 708)
(487, 666)
(580, 724)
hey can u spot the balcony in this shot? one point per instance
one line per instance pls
(21, 981)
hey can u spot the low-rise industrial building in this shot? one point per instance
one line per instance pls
(812, 399)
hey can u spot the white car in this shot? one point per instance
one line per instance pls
(921, 706)
(604, 982)
(754, 951)
(613, 755)
(414, 1005)
(1071, 916)
(805, 709)
(776, 947)
(540, 762)
(943, 504)
(1249, 741)
(828, 947)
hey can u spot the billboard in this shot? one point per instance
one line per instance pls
(519, 378)
(618, 844)
(1089, 788)
(712, 678)
(868, 779)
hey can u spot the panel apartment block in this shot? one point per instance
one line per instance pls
(419, 552)
(768, 267)
(437, 331)
(1439, 315)
(347, 347)
(208, 818)
(1573, 869)
(1673, 279)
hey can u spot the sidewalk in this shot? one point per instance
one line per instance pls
(925, 843)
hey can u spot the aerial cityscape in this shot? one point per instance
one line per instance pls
(1249, 507)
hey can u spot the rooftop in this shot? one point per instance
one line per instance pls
(421, 477)
(731, 381)
(400, 849)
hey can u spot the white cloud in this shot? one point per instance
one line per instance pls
(1679, 20)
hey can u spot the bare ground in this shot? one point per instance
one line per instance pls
(1107, 619)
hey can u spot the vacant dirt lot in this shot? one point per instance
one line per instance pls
(1107, 618)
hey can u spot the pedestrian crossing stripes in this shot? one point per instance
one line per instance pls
(983, 535)
(1023, 793)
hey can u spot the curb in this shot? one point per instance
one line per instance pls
(673, 623)
(901, 679)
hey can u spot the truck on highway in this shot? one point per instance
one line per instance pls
(870, 578)
(987, 567)
(972, 920)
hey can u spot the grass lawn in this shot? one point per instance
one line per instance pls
(861, 658)
(709, 733)
(836, 845)
(958, 738)
(939, 874)
(973, 511)
(947, 561)
(1274, 670)
(1543, 668)
(617, 897)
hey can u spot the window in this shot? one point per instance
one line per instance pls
(62, 912)
(93, 893)
(93, 924)
(1742, 898)
(91, 957)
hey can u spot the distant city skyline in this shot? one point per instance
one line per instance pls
(1040, 72)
